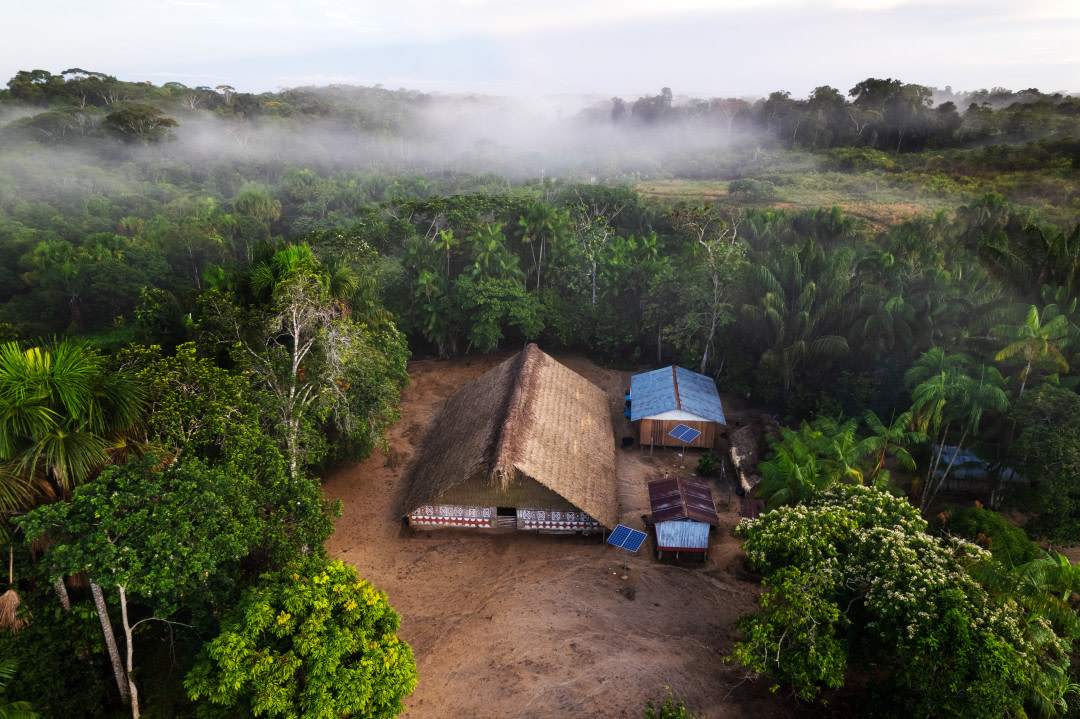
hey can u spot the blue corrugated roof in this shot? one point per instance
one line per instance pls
(682, 534)
(651, 393)
(654, 393)
(698, 395)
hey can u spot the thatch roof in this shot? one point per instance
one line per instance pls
(529, 417)
(746, 452)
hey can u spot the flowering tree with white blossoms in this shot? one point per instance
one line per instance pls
(855, 586)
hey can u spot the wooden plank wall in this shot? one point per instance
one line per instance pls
(655, 432)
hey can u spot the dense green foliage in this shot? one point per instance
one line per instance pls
(1008, 543)
(159, 534)
(312, 640)
(1049, 447)
(852, 581)
(254, 270)
(12, 709)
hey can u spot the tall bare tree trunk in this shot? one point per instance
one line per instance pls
(62, 594)
(132, 690)
(713, 322)
(110, 641)
(292, 444)
(937, 485)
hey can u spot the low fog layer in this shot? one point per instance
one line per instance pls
(572, 138)
(217, 132)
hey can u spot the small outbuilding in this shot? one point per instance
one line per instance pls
(528, 445)
(683, 512)
(663, 399)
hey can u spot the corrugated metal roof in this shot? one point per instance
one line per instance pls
(674, 388)
(751, 508)
(681, 498)
(684, 534)
(651, 393)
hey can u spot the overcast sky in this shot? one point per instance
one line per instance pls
(612, 47)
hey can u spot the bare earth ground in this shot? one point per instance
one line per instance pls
(526, 625)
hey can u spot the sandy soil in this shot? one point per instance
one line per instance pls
(524, 625)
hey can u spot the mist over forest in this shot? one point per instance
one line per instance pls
(364, 129)
(207, 297)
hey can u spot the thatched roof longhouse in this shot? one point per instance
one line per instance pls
(528, 418)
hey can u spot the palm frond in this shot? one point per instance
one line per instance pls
(68, 457)
(16, 489)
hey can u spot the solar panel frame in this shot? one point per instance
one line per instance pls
(678, 431)
(690, 434)
(684, 433)
(627, 538)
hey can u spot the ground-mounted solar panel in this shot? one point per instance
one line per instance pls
(684, 434)
(627, 538)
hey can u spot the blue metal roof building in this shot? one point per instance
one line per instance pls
(674, 407)
(675, 393)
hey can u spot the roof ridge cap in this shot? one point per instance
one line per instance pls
(510, 431)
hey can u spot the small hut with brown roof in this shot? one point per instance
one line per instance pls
(528, 445)
(683, 512)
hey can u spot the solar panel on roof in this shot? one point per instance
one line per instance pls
(623, 536)
(684, 433)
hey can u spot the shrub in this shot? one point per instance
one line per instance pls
(708, 465)
(672, 708)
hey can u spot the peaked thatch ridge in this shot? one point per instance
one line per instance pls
(529, 417)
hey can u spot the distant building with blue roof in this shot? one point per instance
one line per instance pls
(663, 399)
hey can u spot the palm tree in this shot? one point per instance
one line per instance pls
(887, 321)
(490, 256)
(446, 243)
(63, 416)
(889, 439)
(284, 262)
(255, 202)
(803, 294)
(1034, 344)
(840, 449)
(1041, 590)
(546, 224)
(793, 472)
(61, 412)
(945, 396)
(812, 459)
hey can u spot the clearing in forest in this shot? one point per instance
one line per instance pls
(527, 625)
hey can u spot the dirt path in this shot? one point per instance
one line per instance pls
(526, 625)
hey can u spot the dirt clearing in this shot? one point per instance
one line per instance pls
(526, 625)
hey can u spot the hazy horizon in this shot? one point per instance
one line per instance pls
(704, 48)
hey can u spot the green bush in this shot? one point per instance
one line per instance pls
(708, 465)
(672, 708)
(752, 189)
(311, 640)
